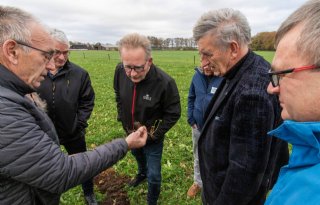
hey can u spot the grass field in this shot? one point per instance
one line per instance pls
(177, 161)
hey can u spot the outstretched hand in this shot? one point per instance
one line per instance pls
(138, 138)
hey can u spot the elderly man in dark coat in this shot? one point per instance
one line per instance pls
(238, 161)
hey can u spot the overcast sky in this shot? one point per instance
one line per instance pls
(106, 21)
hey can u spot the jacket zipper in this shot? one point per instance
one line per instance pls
(133, 104)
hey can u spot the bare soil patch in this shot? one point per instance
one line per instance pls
(113, 185)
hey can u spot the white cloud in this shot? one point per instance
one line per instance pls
(107, 21)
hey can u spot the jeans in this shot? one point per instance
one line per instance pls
(149, 163)
(196, 168)
(74, 147)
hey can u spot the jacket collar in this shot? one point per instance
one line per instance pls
(305, 140)
(228, 83)
(10, 81)
(150, 74)
(233, 71)
(61, 71)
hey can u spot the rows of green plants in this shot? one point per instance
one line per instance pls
(177, 161)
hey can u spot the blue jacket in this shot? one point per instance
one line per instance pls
(201, 90)
(299, 181)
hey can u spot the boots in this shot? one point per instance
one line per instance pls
(153, 193)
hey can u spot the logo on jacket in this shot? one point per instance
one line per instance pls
(146, 97)
(213, 90)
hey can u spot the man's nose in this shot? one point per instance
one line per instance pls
(133, 72)
(50, 65)
(204, 63)
(273, 90)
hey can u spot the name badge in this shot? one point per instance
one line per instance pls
(213, 90)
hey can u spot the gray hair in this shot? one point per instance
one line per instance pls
(136, 40)
(59, 36)
(226, 24)
(15, 24)
(308, 44)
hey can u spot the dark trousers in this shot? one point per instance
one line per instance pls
(77, 146)
(149, 163)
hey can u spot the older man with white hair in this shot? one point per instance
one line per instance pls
(33, 169)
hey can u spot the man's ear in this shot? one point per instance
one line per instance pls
(234, 49)
(10, 51)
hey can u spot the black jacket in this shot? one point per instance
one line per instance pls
(238, 160)
(70, 101)
(157, 102)
(33, 169)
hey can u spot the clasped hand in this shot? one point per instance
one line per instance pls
(138, 138)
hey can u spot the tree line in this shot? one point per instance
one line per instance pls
(262, 41)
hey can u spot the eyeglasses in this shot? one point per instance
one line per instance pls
(47, 54)
(136, 68)
(275, 76)
(64, 53)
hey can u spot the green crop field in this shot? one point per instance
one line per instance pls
(177, 160)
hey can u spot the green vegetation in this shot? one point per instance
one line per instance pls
(263, 41)
(177, 161)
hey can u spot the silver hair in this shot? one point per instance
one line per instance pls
(15, 24)
(226, 25)
(308, 43)
(59, 36)
(135, 40)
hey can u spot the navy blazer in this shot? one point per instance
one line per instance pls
(237, 159)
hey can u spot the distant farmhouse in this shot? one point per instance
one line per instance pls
(108, 47)
(79, 47)
(97, 46)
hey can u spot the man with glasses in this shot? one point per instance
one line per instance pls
(69, 96)
(33, 169)
(145, 95)
(295, 79)
(238, 161)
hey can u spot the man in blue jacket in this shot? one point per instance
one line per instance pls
(203, 86)
(295, 78)
(238, 161)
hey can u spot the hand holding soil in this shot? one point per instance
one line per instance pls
(138, 138)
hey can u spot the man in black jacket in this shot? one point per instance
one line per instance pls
(238, 161)
(70, 99)
(145, 95)
(33, 169)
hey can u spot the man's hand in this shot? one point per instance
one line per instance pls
(138, 138)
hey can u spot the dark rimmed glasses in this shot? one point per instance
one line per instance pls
(136, 68)
(47, 54)
(275, 76)
(64, 53)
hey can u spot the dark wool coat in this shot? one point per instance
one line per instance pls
(238, 161)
